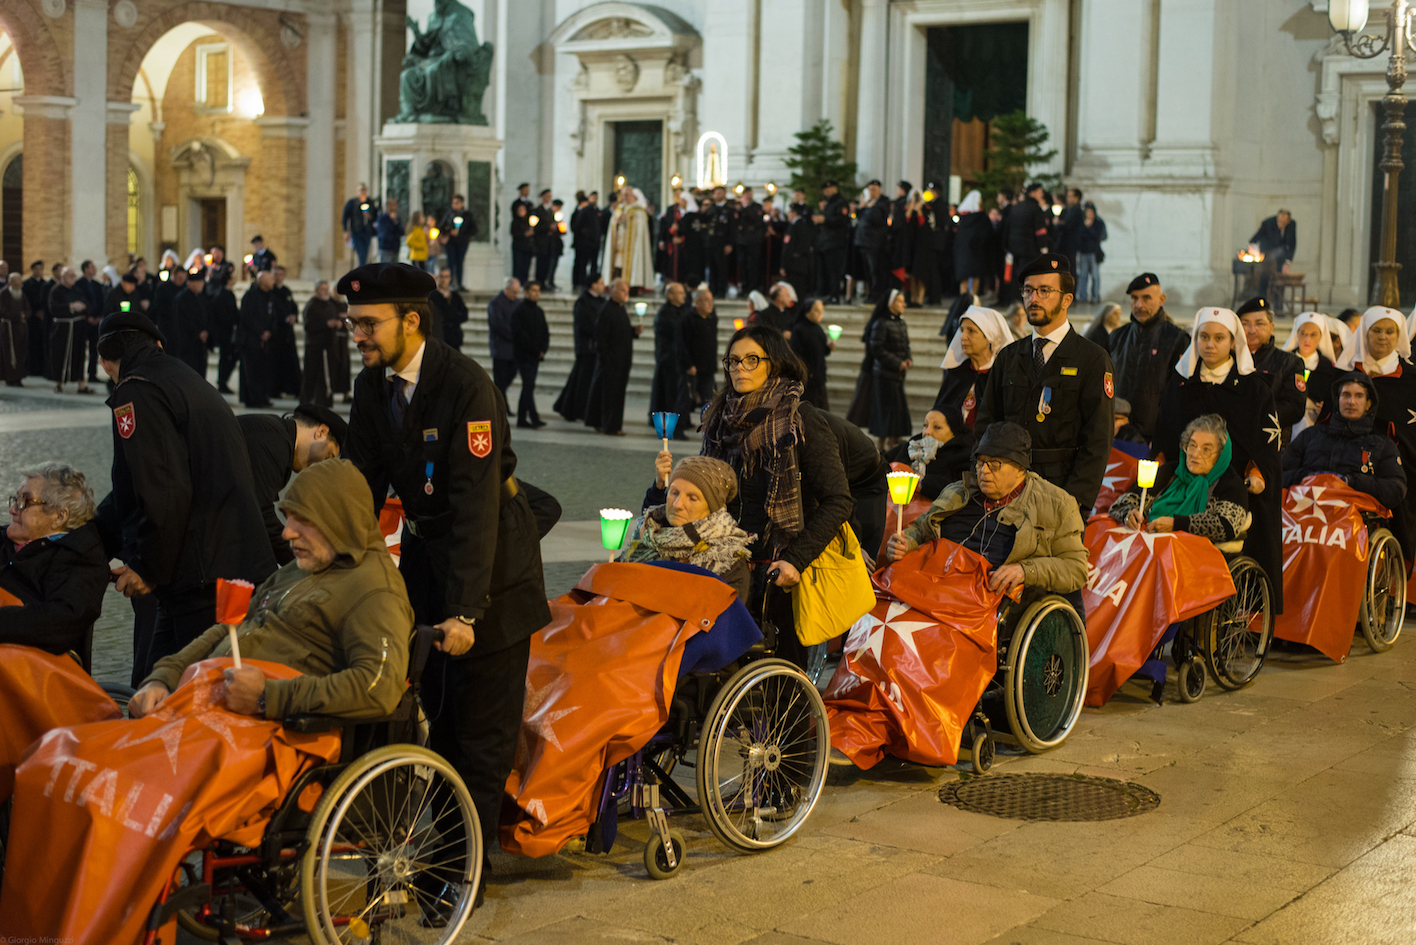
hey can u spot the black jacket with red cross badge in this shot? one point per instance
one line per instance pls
(481, 538)
(183, 509)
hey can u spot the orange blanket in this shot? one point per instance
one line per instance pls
(915, 666)
(104, 811)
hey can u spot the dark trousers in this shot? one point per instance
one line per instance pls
(181, 618)
(456, 256)
(750, 265)
(587, 263)
(694, 391)
(91, 341)
(255, 375)
(526, 406)
(720, 264)
(521, 265)
(144, 621)
(503, 373)
(544, 271)
(361, 247)
(832, 272)
(226, 363)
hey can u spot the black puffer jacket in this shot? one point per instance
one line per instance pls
(951, 460)
(61, 584)
(1144, 355)
(1353, 449)
(887, 341)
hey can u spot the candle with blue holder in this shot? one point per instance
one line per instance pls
(664, 424)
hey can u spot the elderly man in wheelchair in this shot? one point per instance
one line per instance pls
(259, 827)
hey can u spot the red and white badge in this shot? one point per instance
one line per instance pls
(1110, 385)
(479, 438)
(1301, 384)
(126, 419)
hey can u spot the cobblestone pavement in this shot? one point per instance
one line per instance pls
(1287, 814)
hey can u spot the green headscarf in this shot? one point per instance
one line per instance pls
(1188, 493)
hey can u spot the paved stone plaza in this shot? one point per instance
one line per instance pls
(1286, 811)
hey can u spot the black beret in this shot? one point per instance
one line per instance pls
(1257, 304)
(338, 429)
(379, 283)
(129, 321)
(1006, 440)
(906, 185)
(258, 239)
(1142, 281)
(1035, 185)
(519, 186)
(873, 183)
(37, 262)
(828, 183)
(1043, 265)
(129, 276)
(544, 192)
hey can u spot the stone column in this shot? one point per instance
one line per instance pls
(283, 145)
(116, 155)
(88, 146)
(47, 227)
(362, 124)
(321, 240)
(871, 93)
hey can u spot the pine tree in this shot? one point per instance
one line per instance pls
(818, 157)
(1015, 144)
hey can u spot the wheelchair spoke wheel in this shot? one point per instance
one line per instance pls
(1236, 639)
(1045, 679)
(394, 852)
(1384, 607)
(762, 755)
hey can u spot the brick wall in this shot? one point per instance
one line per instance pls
(46, 183)
(116, 206)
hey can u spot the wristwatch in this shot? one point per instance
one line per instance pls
(470, 621)
(260, 705)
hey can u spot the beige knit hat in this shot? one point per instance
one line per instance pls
(713, 477)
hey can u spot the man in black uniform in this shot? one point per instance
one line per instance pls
(541, 236)
(428, 421)
(285, 369)
(280, 447)
(585, 240)
(871, 224)
(799, 251)
(458, 226)
(1282, 369)
(183, 510)
(664, 388)
(1056, 385)
(833, 242)
(697, 352)
(614, 353)
(1145, 351)
(254, 332)
(262, 258)
(1025, 236)
(749, 230)
(718, 236)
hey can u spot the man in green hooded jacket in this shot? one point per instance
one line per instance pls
(338, 613)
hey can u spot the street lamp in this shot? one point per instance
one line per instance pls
(1349, 18)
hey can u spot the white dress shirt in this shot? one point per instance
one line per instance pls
(410, 372)
(1054, 338)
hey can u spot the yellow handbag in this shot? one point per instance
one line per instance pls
(835, 591)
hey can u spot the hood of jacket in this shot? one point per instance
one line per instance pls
(335, 497)
(1339, 425)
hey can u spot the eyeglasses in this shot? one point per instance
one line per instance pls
(21, 502)
(994, 466)
(366, 326)
(748, 363)
(1201, 450)
(1042, 293)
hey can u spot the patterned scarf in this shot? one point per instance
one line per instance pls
(714, 543)
(761, 429)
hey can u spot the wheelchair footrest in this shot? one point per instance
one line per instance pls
(188, 897)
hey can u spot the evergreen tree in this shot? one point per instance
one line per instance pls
(1015, 143)
(817, 157)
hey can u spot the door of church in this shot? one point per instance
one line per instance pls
(1405, 216)
(639, 157)
(972, 75)
(12, 212)
(214, 222)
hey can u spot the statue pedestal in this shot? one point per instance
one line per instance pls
(466, 158)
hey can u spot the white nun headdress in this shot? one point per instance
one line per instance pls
(1357, 351)
(1189, 362)
(1324, 327)
(994, 327)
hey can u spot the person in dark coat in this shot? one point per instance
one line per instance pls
(357, 221)
(1026, 233)
(872, 226)
(900, 237)
(68, 319)
(457, 226)
(523, 243)
(14, 332)
(865, 472)
(664, 388)
(1350, 446)
(931, 220)
(799, 250)
(96, 292)
(1277, 239)
(778, 313)
(36, 289)
(1282, 369)
(1310, 341)
(1056, 385)
(325, 346)
(585, 240)
(1216, 375)
(1069, 229)
(614, 352)
(279, 447)
(692, 258)
(972, 241)
(52, 560)
(471, 555)
(1090, 235)
(183, 509)
(833, 242)
(389, 230)
(449, 311)
(541, 236)
(259, 308)
(748, 232)
(668, 250)
(982, 334)
(188, 329)
(938, 454)
(530, 340)
(499, 311)
(697, 353)
(811, 343)
(1145, 350)
(887, 345)
(285, 371)
(575, 395)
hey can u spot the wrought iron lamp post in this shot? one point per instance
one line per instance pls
(1349, 18)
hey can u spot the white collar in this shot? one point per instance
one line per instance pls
(1057, 334)
(1385, 366)
(411, 369)
(1310, 361)
(1217, 376)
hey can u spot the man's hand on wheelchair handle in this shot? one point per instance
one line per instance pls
(457, 637)
(129, 584)
(146, 699)
(244, 688)
(898, 547)
(1006, 578)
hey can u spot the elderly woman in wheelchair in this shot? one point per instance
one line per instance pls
(1203, 496)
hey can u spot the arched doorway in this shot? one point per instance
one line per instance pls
(12, 202)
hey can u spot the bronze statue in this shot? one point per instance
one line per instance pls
(446, 70)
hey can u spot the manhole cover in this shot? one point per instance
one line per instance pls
(1049, 797)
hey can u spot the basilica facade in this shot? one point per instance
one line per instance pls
(130, 126)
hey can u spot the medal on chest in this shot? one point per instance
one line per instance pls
(429, 437)
(1044, 404)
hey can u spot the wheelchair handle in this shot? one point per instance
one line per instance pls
(773, 574)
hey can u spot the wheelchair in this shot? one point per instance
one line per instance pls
(755, 735)
(1040, 682)
(383, 845)
(1383, 609)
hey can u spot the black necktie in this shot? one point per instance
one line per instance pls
(399, 404)
(1038, 345)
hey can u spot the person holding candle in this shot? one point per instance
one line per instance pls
(693, 523)
(1202, 495)
(811, 343)
(1216, 376)
(614, 351)
(1350, 446)
(982, 333)
(940, 454)
(1311, 342)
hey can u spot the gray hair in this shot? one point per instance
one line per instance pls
(64, 489)
(702, 291)
(509, 281)
(1208, 423)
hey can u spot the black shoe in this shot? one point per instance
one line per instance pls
(224, 389)
(537, 424)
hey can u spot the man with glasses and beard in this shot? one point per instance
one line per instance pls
(428, 422)
(1056, 385)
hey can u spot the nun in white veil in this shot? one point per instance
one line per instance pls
(983, 332)
(1311, 341)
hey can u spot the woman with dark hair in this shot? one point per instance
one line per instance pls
(792, 490)
(939, 455)
(887, 348)
(811, 343)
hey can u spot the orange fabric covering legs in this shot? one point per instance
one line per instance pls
(1138, 584)
(599, 684)
(103, 812)
(915, 666)
(1325, 545)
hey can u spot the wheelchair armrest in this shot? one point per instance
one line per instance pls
(313, 724)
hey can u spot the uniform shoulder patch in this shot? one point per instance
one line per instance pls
(126, 419)
(1110, 385)
(479, 438)
(1299, 383)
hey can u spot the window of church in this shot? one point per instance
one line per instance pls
(214, 77)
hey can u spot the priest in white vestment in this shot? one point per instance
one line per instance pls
(628, 252)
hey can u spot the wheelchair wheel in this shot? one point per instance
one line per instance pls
(656, 861)
(1236, 634)
(762, 755)
(981, 753)
(1384, 603)
(1190, 679)
(815, 663)
(1045, 678)
(394, 851)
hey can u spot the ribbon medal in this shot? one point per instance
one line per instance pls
(1044, 404)
(429, 436)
